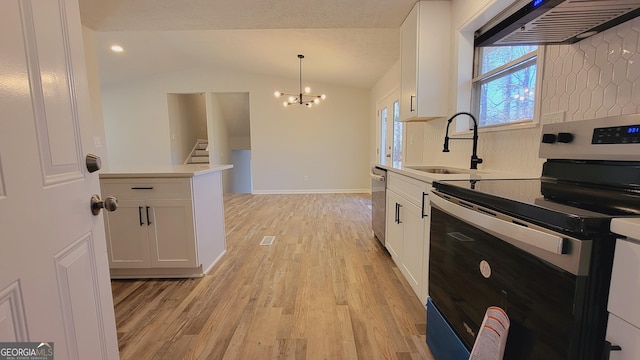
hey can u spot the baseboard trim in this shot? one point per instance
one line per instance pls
(313, 191)
(210, 267)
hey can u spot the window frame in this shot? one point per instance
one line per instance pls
(510, 67)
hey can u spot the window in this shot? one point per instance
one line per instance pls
(504, 84)
(389, 151)
(397, 135)
(383, 135)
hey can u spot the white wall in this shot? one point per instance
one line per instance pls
(241, 172)
(240, 142)
(295, 149)
(218, 135)
(187, 124)
(97, 121)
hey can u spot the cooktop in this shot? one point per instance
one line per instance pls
(564, 206)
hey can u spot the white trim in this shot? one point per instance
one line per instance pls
(312, 191)
(511, 66)
(210, 267)
(380, 104)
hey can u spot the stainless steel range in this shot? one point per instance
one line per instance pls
(541, 249)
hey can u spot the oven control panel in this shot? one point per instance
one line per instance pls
(615, 138)
(617, 135)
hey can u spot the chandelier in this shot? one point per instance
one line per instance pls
(301, 98)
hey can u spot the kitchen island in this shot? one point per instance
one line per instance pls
(169, 221)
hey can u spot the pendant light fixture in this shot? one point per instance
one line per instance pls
(301, 98)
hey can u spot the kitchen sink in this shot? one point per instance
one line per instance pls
(439, 170)
(442, 171)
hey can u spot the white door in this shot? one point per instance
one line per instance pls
(54, 278)
(386, 112)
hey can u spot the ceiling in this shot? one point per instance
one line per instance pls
(346, 42)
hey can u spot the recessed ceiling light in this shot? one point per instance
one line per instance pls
(116, 48)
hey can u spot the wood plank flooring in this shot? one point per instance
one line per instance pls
(325, 289)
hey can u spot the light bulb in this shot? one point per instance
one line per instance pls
(291, 99)
(285, 104)
(307, 90)
(277, 93)
(323, 97)
(316, 101)
(309, 105)
(116, 48)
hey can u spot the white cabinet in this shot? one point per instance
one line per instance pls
(393, 226)
(413, 246)
(425, 61)
(127, 237)
(407, 237)
(623, 328)
(164, 227)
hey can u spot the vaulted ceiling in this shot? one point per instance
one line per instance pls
(349, 42)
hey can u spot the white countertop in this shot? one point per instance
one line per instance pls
(629, 227)
(189, 170)
(463, 174)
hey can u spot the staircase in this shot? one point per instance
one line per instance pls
(199, 153)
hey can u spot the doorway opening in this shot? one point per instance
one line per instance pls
(213, 128)
(231, 138)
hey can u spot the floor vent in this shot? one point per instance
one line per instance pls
(268, 240)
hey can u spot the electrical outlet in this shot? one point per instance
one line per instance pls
(552, 118)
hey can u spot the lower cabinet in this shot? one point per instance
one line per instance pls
(151, 233)
(394, 226)
(407, 237)
(164, 227)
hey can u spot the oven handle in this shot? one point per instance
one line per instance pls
(542, 240)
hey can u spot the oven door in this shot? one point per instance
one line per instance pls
(479, 259)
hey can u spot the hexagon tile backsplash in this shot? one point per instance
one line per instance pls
(596, 77)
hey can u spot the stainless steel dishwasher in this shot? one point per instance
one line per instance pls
(378, 201)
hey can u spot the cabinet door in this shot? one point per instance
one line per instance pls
(408, 65)
(424, 289)
(127, 239)
(393, 241)
(171, 233)
(413, 246)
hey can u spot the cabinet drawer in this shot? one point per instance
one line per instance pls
(169, 188)
(407, 187)
(625, 335)
(624, 281)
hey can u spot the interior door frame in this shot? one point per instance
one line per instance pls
(387, 101)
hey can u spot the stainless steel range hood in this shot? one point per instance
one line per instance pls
(545, 22)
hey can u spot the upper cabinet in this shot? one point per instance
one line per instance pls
(425, 44)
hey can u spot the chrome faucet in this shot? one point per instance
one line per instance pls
(475, 160)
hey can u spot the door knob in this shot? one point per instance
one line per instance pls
(110, 203)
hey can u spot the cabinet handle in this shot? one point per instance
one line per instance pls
(148, 220)
(411, 109)
(142, 188)
(140, 215)
(395, 215)
(399, 206)
(423, 202)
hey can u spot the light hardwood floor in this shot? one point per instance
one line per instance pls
(325, 289)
